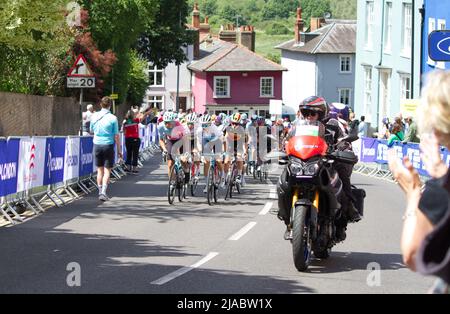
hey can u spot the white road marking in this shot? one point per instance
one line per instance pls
(266, 209)
(273, 194)
(243, 231)
(180, 272)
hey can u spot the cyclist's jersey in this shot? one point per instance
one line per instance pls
(252, 132)
(174, 134)
(207, 135)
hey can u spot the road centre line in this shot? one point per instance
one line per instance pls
(180, 272)
(266, 209)
(243, 231)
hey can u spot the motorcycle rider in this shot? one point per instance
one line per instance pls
(316, 109)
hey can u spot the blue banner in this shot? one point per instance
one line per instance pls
(368, 150)
(9, 161)
(55, 149)
(382, 152)
(86, 156)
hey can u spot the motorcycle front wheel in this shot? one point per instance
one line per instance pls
(301, 238)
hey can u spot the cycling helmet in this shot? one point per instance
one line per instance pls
(244, 117)
(218, 119)
(213, 117)
(191, 118)
(317, 104)
(341, 110)
(169, 116)
(206, 119)
(236, 118)
(254, 117)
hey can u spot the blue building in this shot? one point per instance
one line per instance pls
(436, 17)
(388, 59)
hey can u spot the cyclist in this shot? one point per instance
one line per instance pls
(235, 143)
(192, 125)
(172, 139)
(209, 141)
(252, 136)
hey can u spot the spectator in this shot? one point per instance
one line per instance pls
(87, 119)
(385, 133)
(396, 134)
(132, 139)
(430, 208)
(363, 128)
(411, 133)
(354, 123)
(105, 127)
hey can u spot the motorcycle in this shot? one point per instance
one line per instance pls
(316, 190)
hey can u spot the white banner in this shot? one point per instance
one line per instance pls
(72, 158)
(31, 163)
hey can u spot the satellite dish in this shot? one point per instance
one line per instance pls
(327, 15)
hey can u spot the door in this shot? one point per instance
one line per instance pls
(385, 97)
(183, 103)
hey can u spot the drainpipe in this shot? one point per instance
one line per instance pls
(413, 46)
(422, 29)
(381, 61)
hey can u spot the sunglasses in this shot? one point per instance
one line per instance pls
(309, 113)
(234, 124)
(205, 126)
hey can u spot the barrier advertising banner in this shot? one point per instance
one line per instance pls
(368, 151)
(31, 163)
(9, 156)
(54, 160)
(382, 152)
(86, 156)
(72, 158)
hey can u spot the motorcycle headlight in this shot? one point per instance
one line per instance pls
(296, 169)
(311, 169)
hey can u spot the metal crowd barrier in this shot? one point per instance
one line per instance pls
(30, 202)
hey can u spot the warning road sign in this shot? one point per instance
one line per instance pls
(80, 68)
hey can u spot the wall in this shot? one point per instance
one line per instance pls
(244, 90)
(299, 82)
(330, 80)
(26, 115)
(199, 89)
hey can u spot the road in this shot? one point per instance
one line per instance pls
(137, 243)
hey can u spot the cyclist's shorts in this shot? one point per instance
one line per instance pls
(174, 147)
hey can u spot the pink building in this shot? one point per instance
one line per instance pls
(231, 78)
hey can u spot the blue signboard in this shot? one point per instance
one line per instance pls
(439, 45)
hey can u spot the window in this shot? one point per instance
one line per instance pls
(407, 30)
(369, 24)
(367, 89)
(405, 88)
(221, 87)
(345, 96)
(440, 26)
(156, 76)
(266, 87)
(388, 28)
(156, 101)
(431, 28)
(346, 64)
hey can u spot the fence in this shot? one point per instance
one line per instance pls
(373, 157)
(38, 169)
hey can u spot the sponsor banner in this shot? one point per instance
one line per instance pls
(368, 150)
(382, 152)
(9, 160)
(32, 151)
(86, 156)
(54, 160)
(72, 158)
(356, 147)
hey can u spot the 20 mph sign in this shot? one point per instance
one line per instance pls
(80, 82)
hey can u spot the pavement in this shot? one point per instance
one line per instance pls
(138, 243)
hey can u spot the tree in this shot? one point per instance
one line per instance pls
(138, 79)
(344, 9)
(314, 8)
(279, 8)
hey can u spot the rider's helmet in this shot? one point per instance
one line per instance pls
(244, 117)
(341, 110)
(218, 120)
(254, 117)
(213, 117)
(236, 118)
(206, 119)
(191, 118)
(317, 104)
(170, 117)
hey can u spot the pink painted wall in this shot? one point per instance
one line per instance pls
(244, 90)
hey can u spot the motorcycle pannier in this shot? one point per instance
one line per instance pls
(359, 195)
(347, 157)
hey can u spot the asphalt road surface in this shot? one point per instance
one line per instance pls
(138, 243)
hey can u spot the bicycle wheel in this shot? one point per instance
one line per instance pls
(229, 192)
(210, 187)
(216, 183)
(181, 186)
(172, 186)
(194, 181)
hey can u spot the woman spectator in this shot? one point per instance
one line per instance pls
(396, 134)
(428, 208)
(132, 139)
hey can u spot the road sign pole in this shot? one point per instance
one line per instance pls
(81, 111)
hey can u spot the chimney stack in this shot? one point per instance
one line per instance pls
(228, 33)
(196, 16)
(316, 23)
(248, 37)
(299, 26)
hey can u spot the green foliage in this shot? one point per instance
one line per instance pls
(138, 80)
(278, 28)
(274, 57)
(279, 8)
(344, 9)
